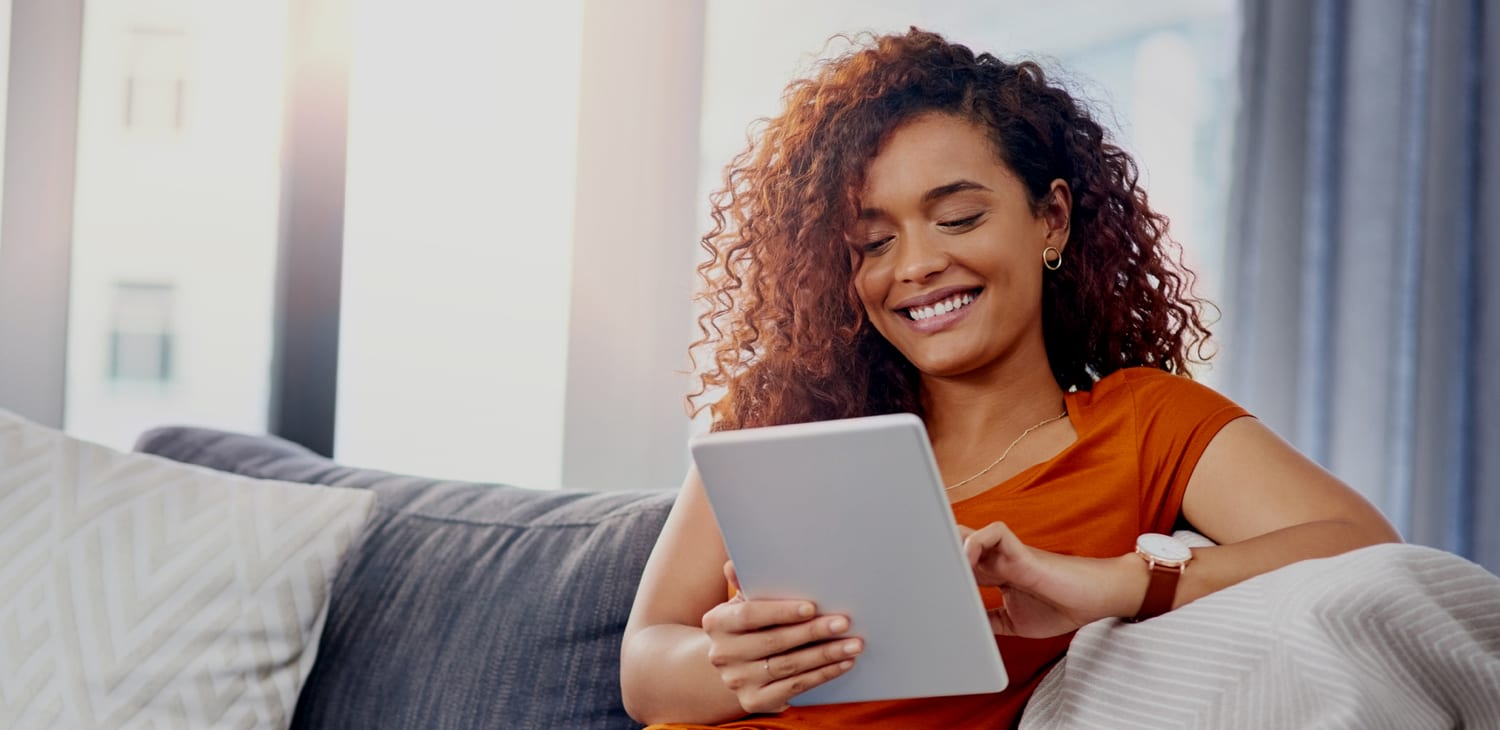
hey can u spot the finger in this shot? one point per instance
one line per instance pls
(993, 535)
(809, 657)
(813, 656)
(776, 695)
(739, 617)
(964, 531)
(770, 643)
(749, 650)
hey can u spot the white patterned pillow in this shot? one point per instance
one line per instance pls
(140, 592)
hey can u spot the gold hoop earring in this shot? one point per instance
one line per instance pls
(1052, 264)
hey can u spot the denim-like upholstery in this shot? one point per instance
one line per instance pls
(462, 605)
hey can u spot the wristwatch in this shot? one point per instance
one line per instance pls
(1167, 557)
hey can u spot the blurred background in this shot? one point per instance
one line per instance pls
(457, 238)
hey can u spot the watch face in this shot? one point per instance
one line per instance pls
(1163, 547)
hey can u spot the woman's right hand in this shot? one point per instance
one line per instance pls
(768, 652)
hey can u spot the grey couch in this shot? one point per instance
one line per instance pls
(486, 606)
(462, 605)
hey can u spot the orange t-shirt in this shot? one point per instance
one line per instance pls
(1140, 433)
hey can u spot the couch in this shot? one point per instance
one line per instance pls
(487, 606)
(462, 605)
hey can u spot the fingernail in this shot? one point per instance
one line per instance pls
(851, 647)
(845, 664)
(805, 610)
(838, 624)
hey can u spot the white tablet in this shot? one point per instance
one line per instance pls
(851, 515)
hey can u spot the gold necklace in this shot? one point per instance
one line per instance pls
(1006, 453)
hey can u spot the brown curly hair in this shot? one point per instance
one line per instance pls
(787, 334)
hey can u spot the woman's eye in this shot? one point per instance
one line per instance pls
(874, 247)
(961, 223)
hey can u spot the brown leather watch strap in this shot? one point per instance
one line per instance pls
(1160, 591)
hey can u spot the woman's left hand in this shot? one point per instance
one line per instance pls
(1047, 594)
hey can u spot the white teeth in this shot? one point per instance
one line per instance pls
(943, 307)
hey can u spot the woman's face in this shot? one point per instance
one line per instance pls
(949, 260)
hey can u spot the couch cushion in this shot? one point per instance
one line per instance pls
(140, 592)
(463, 605)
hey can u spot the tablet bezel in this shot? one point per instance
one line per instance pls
(851, 514)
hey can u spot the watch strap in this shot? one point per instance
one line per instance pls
(1161, 589)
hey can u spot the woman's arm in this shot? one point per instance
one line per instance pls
(690, 655)
(665, 674)
(1265, 503)
(1267, 506)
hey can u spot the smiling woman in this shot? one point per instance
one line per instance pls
(977, 233)
(1124, 299)
(928, 230)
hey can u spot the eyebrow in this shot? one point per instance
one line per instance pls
(935, 194)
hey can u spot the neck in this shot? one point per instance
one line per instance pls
(971, 409)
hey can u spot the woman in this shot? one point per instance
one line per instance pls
(930, 231)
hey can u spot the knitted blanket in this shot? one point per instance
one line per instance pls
(1391, 636)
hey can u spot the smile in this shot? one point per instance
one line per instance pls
(955, 302)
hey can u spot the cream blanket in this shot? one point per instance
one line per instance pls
(1391, 636)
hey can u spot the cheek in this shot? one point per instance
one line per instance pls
(872, 297)
(866, 289)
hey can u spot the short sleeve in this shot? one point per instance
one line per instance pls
(1176, 419)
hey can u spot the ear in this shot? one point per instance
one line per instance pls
(1056, 212)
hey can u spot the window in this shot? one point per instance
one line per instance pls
(459, 325)
(140, 342)
(156, 79)
(458, 239)
(174, 245)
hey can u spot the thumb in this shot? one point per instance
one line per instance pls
(733, 578)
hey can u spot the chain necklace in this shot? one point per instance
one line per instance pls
(1006, 453)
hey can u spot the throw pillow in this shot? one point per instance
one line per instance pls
(141, 592)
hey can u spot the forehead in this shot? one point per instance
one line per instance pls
(927, 152)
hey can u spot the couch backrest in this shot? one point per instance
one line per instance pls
(463, 605)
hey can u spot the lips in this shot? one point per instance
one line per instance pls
(949, 297)
(937, 310)
(955, 302)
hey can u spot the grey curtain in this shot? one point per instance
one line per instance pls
(1362, 321)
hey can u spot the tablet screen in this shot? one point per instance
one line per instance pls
(851, 514)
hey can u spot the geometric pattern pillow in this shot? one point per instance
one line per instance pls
(140, 592)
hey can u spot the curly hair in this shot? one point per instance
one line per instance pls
(786, 336)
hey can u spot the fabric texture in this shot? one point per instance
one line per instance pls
(1140, 432)
(1362, 320)
(463, 605)
(1391, 636)
(136, 592)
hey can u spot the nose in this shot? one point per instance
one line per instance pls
(919, 258)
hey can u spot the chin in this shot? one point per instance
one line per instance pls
(945, 365)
